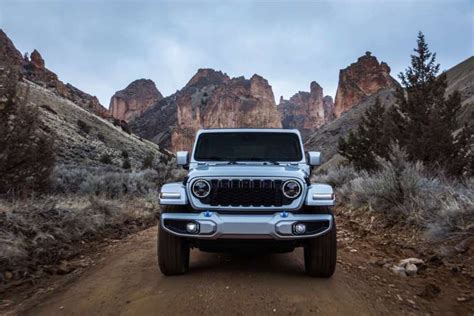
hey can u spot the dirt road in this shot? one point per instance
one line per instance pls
(127, 281)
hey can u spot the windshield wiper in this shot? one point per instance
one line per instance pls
(213, 158)
(273, 162)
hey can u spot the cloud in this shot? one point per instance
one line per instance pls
(101, 46)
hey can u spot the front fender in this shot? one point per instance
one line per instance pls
(320, 195)
(173, 194)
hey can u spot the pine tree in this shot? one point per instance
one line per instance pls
(362, 147)
(424, 119)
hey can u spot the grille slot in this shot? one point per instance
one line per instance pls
(247, 193)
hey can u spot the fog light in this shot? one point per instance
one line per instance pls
(300, 228)
(192, 227)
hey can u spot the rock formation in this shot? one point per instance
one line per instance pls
(34, 69)
(134, 99)
(328, 105)
(9, 55)
(306, 111)
(209, 100)
(361, 79)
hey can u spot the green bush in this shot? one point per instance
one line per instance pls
(148, 161)
(126, 164)
(105, 159)
(83, 126)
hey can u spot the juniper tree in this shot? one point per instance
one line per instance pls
(424, 118)
(26, 150)
(369, 141)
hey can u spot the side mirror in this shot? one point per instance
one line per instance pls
(314, 158)
(182, 158)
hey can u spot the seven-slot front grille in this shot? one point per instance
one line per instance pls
(246, 192)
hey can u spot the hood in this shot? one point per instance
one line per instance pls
(248, 170)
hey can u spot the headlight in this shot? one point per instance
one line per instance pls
(201, 188)
(291, 189)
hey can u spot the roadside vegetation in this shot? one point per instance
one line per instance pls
(50, 212)
(412, 162)
(407, 192)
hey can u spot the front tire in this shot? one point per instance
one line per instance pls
(173, 251)
(320, 253)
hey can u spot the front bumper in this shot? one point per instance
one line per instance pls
(280, 226)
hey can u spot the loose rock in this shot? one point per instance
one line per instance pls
(411, 269)
(414, 261)
(399, 270)
(464, 245)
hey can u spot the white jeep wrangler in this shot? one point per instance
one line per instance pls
(247, 189)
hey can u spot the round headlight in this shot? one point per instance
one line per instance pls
(291, 189)
(201, 188)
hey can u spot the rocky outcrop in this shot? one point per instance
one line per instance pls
(134, 99)
(207, 77)
(361, 79)
(209, 100)
(34, 69)
(9, 55)
(328, 105)
(306, 111)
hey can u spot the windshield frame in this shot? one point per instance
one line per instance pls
(243, 130)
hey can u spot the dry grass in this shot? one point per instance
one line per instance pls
(86, 204)
(44, 231)
(406, 192)
(113, 182)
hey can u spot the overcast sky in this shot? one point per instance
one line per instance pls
(101, 46)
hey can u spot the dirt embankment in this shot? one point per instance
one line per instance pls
(124, 278)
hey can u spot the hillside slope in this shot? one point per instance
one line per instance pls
(461, 78)
(81, 137)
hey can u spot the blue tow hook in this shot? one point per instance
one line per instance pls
(207, 213)
(284, 214)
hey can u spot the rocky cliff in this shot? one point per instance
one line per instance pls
(34, 69)
(209, 100)
(134, 99)
(307, 111)
(361, 79)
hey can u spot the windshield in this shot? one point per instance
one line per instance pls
(248, 146)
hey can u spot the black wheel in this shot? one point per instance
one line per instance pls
(320, 253)
(173, 251)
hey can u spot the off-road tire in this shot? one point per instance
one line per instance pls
(173, 251)
(320, 253)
